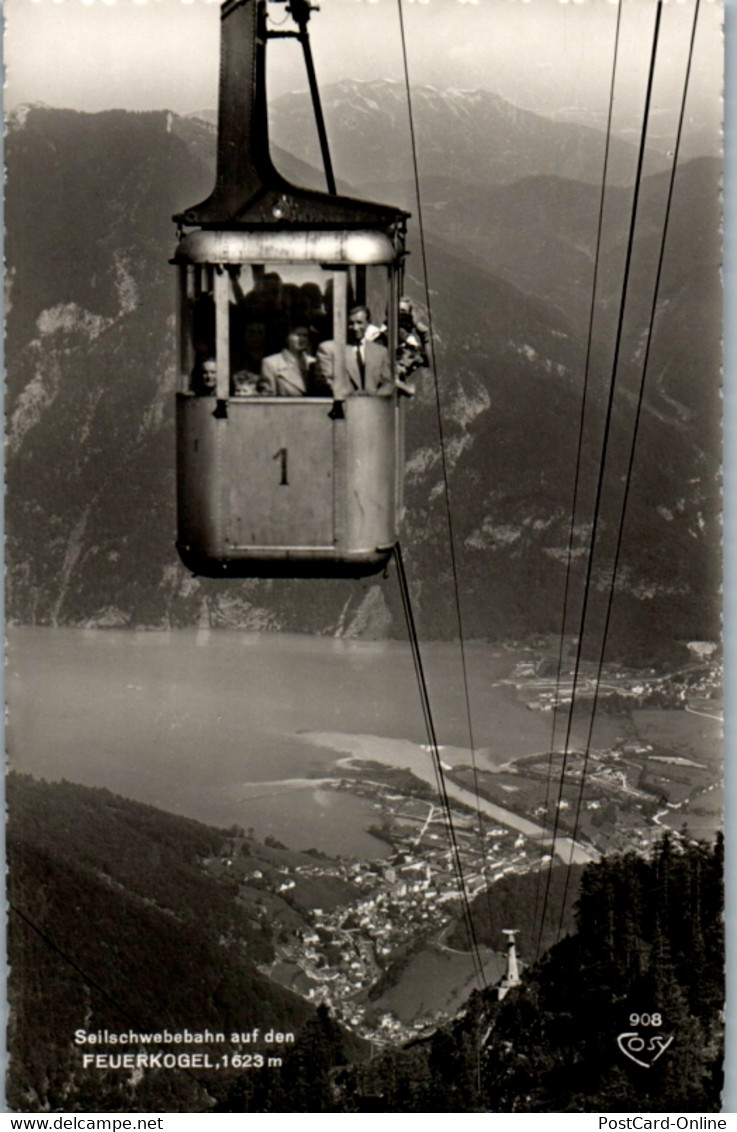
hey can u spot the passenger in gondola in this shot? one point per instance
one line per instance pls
(413, 338)
(245, 384)
(374, 333)
(246, 381)
(368, 370)
(291, 306)
(315, 313)
(267, 301)
(412, 342)
(290, 373)
(205, 377)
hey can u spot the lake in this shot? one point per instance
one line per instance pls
(220, 725)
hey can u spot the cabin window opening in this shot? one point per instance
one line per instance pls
(198, 346)
(373, 291)
(278, 314)
(359, 357)
(275, 329)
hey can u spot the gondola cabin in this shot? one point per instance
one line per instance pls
(289, 434)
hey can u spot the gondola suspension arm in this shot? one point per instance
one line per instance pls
(300, 12)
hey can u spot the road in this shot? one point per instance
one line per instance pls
(402, 753)
(568, 850)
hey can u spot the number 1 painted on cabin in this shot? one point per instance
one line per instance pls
(283, 454)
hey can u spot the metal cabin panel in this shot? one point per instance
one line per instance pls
(370, 503)
(342, 246)
(337, 512)
(199, 435)
(278, 476)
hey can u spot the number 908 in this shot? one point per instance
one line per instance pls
(646, 1020)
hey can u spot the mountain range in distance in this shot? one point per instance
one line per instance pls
(364, 98)
(89, 201)
(480, 136)
(516, 192)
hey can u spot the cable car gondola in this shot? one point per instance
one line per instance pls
(272, 484)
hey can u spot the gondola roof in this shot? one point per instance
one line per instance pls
(249, 191)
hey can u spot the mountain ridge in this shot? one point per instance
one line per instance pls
(176, 947)
(89, 542)
(478, 132)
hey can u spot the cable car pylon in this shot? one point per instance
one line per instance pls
(511, 977)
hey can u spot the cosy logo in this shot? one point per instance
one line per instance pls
(646, 1050)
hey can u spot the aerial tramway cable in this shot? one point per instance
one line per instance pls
(628, 477)
(443, 459)
(435, 752)
(604, 448)
(633, 443)
(578, 464)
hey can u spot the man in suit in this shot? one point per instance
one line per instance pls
(368, 370)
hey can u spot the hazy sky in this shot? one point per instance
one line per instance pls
(549, 55)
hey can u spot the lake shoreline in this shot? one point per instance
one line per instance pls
(183, 719)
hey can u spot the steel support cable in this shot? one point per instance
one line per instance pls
(437, 765)
(94, 985)
(435, 756)
(419, 672)
(435, 752)
(578, 462)
(605, 438)
(300, 10)
(443, 458)
(633, 443)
